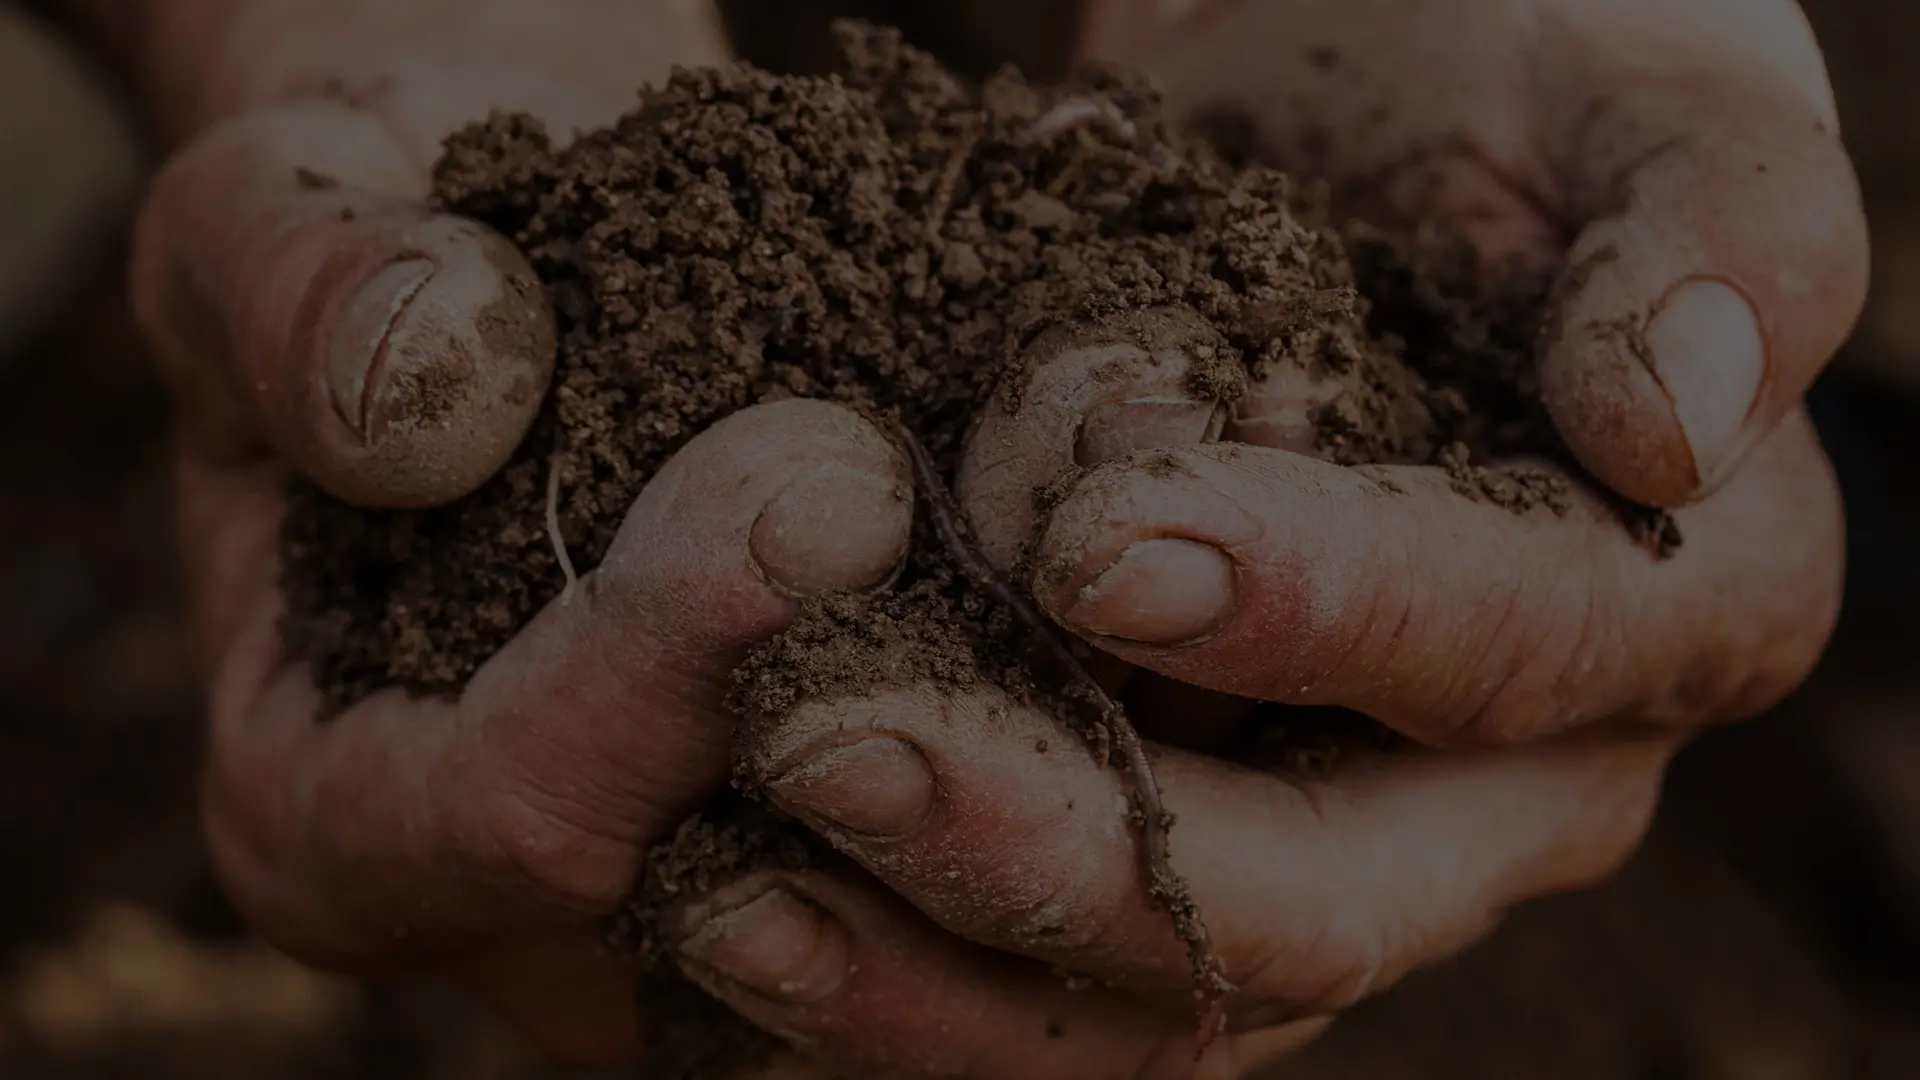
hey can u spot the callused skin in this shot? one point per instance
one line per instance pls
(480, 841)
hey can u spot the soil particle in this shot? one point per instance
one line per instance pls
(1050, 495)
(844, 646)
(313, 180)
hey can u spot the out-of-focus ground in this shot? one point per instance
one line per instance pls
(1771, 930)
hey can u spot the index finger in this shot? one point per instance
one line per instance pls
(1272, 576)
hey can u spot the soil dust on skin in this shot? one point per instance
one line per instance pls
(896, 239)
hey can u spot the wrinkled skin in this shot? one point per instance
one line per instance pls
(1681, 157)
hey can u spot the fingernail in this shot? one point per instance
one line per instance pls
(776, 945)
(361, 340)
(834, 528)
(1159, 592)
(878, 789)
(1707, 351)
(1120, 428)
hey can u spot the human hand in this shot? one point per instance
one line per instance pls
(1549, 665)
(315, 317)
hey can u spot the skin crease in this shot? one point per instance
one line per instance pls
(478, 840)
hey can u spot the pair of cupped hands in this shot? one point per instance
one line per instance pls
(1680, 159)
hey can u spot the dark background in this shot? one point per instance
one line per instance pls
(1770, 931)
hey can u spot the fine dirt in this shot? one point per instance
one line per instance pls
(910, 244)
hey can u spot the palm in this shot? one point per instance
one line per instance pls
(1651, 144)
(1420, 109)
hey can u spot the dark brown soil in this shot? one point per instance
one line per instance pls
(890, 238)
(908, 243)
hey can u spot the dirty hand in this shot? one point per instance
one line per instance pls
(315, 318)
(1681, 159)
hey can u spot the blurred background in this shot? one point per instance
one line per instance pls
(1770, 931)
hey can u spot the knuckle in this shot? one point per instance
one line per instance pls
(1790, 663)
(235, 787)
(1774, 646)
(304, 927)
(1503, 701)
(547, 851)
(1049, 900)
(1722, 694)
(1340, 966)
(1345, 959)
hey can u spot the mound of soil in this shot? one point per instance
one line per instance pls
(905, 242)
(890, 238)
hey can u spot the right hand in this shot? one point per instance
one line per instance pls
(294, 286)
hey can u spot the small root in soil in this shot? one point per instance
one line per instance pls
(553, 531)
(1111, 727)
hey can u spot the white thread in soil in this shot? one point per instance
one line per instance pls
(553, 530)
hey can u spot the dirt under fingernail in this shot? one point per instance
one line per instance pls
(897, 239)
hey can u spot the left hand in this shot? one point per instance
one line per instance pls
(1682, 157)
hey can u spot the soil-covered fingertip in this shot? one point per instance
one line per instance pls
(440, 368)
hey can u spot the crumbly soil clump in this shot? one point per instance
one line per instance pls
(891, 238)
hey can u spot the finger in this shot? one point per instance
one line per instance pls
(852, 976)
(981, 811)
(402, 829)
(1726, 259)
(394, 355)
(1142, 380)
(1271, 576)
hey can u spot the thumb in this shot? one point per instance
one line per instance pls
(395, 355)
(1726, 265)
(300, 298)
